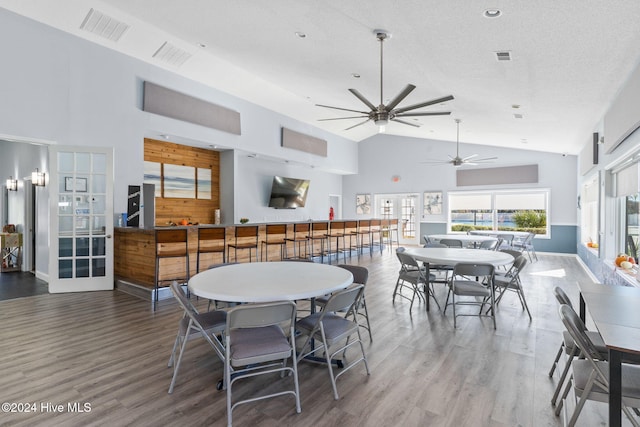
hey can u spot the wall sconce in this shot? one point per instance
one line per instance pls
(12, 184)
(37, 178)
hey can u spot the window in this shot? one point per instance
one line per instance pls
(632, 208)
(524, 210)
(628, 192)
(589, 211)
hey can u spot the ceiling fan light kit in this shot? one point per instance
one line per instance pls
(383, 114)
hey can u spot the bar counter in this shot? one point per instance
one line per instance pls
(135, 250)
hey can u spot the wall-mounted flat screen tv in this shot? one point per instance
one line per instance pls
(288, 193)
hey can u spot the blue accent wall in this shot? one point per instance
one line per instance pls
(564, 238)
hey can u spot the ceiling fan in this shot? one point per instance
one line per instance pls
(382, 114)
(459, 161)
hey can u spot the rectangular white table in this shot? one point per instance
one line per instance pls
(615, 310)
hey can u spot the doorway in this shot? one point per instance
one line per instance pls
(404, 208)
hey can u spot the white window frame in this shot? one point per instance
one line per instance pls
(493, 194)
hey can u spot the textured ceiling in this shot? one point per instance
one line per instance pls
(569, 58)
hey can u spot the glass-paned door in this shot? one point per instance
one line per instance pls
(81, 213)
(402, 207)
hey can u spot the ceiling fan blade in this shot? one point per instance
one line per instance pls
(358, 124)
(402, 95)
(405, 122)
(342, 109)
(363, 99)
(469, 157)
(424, 104)
(439, 113)
(486, 159)
(342, 118)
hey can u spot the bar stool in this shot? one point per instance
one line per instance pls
(393, 228)
(211, 241)
(362, 232)
(275, 235)
(351, 231)
(375, 229)
(319, 231)
(246, 237)
(171, 243)
(336, 231)
(300, 236)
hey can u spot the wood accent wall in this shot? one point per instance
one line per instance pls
(176, 209)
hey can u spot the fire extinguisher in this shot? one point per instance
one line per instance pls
(331, 214)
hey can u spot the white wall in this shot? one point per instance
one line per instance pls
(256, 177)
(57, 87)
(383, 156)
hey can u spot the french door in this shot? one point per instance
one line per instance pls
(81, 219)
(404, 208)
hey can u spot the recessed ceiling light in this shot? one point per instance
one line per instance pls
(201, 45)
(515, 106)
(524, 140)
(165, 136)
(492, 13)
(300, 34)
(518, 116)
(355, 75)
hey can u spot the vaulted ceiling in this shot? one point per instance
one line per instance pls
(567, 61)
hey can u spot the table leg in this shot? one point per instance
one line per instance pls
(615, 388)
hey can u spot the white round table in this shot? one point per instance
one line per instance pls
(452, 256)
(269, 281)
(464, 238)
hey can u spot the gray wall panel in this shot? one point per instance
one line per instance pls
(169, 103)
(302, 142)
(526, 174)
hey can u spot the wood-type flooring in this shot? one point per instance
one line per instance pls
(109, 350)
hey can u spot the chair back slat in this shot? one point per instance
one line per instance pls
(562, 297)
(301, 227)
(343, 300)
(247, 231)
(218, 233)
(322, 226)
(276, 229)
(171, 236)
(473, 269)
(360, 274)
(260, 315)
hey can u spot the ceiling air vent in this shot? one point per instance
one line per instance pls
(104, 26)
(504, 55)
(171, 54)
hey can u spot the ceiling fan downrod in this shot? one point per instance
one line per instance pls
(382, 36)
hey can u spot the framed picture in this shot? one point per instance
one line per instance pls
(179, 181)
(75, 184)
(432, 203)
(363, 204)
